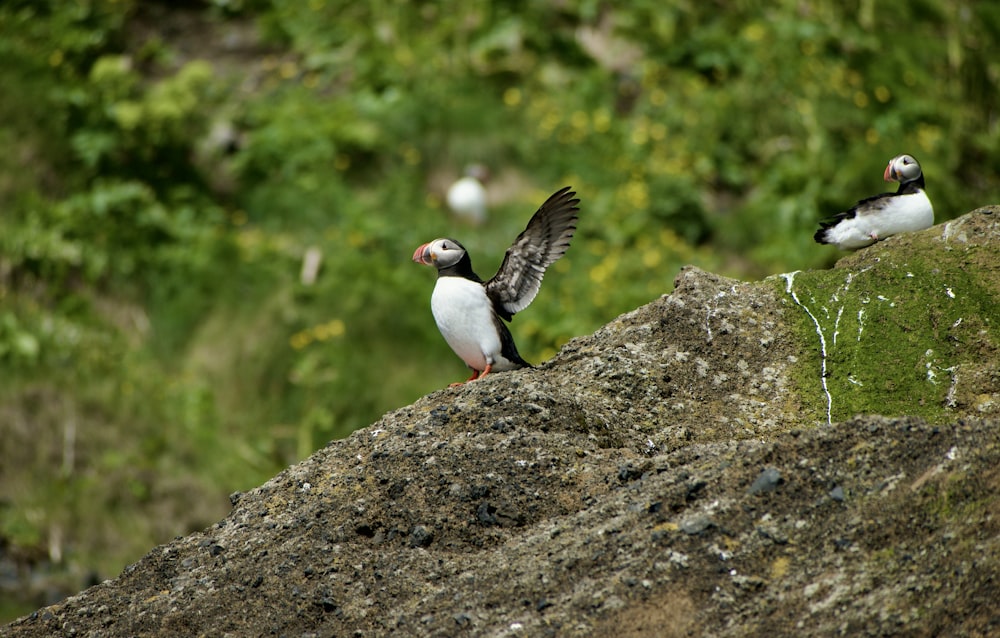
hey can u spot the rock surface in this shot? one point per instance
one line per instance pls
(693, 468)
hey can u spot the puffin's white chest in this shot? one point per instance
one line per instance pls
(904, 213)
(465, 317)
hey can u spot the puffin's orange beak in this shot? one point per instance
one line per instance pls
(422, 255)
(890, 175)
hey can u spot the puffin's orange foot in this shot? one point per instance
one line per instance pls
(475, 375)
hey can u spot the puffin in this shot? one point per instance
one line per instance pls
(470, 312)
(466, 197)
(881, 216)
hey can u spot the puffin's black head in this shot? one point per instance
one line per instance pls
(442, 254)
(902, 169)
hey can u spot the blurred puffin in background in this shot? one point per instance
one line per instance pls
(467, 196)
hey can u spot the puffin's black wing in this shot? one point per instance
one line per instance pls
(545, 240)
(866, 206)
(872, 204)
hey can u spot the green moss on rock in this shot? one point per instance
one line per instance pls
(910, 326)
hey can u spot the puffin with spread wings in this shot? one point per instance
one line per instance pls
(470, 312)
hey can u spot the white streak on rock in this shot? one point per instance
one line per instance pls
(790, 279)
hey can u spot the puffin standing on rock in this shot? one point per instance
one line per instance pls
(881, 216)
(469, 311)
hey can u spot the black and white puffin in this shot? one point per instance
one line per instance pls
(881, 216)
(470, 312)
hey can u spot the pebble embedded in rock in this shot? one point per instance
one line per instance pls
(628, 472)
(328, 605)
(694, 490)
(767, 481)
(487, 514)
(773, 534)
(696, 525)
(439, 416)
(420, 536)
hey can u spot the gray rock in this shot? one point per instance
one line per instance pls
(625, 460)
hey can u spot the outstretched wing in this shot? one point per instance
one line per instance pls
(543, 241)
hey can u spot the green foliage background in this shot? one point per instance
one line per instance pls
(167, 167)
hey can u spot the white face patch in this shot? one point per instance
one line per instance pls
(445, 252)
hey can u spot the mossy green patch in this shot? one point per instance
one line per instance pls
(905, 330)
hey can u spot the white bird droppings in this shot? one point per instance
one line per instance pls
(790, 279)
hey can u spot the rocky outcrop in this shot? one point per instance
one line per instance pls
(695, 467)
